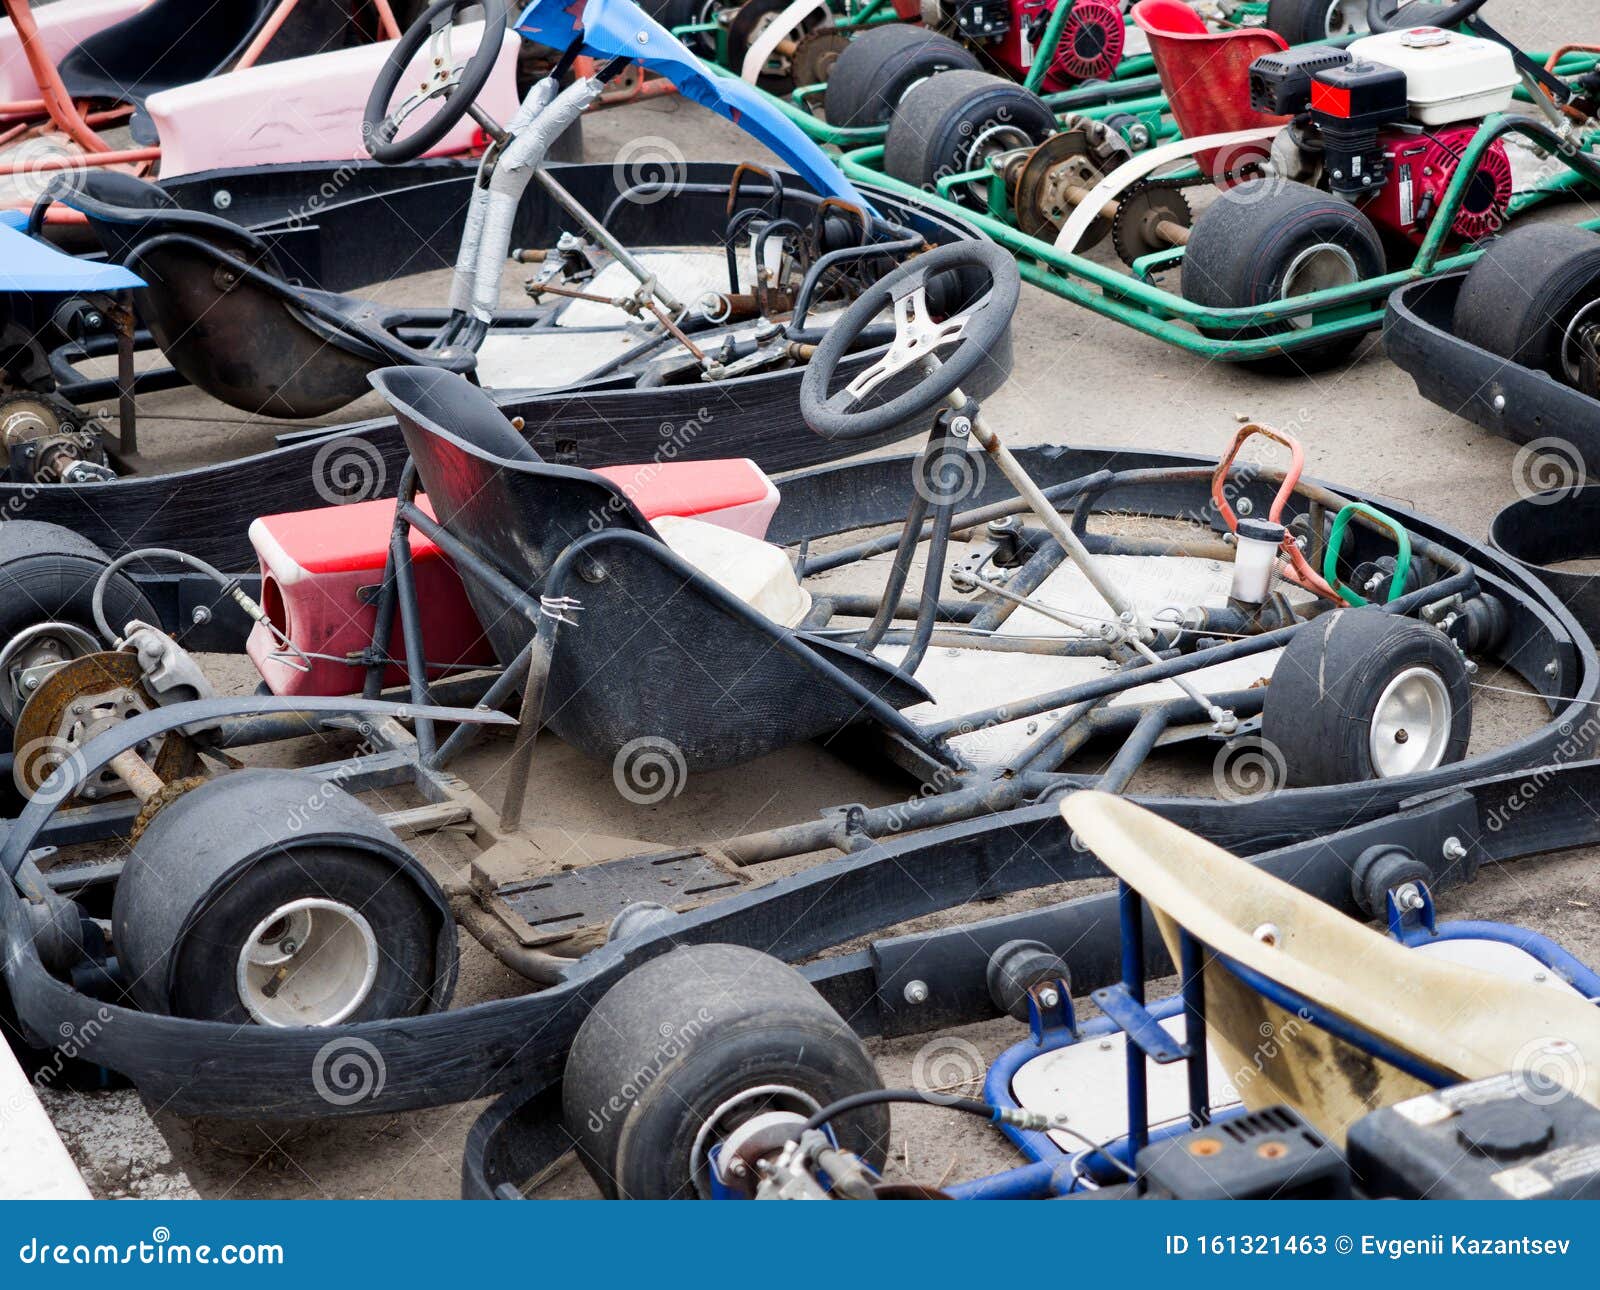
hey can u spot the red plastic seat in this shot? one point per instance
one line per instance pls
(1206, 74)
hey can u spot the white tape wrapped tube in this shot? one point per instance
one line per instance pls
(521, 156)
(466, 271)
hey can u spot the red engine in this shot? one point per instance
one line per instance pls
(1089, 49)
(1421, 168)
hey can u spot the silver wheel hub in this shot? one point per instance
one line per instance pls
(309, 962)
(1317, 268)
(1411, 723)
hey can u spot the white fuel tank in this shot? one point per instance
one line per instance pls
(1449, 76)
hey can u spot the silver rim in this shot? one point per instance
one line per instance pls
(1316, 269)
(1572, 340)
(29, 656)
(999, 138)
(310, 962)
(1410, 724)
(734, 1112)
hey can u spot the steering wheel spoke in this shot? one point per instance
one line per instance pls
(457, 84)
(949, 350)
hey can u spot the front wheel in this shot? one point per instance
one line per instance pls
(1360, 694)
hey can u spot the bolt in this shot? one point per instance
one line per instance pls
(1552, 668)
(916, 992)
(1452, 849)
(222, 199)
(1498, 403)
(289, 945)
(961, 427)
(1245, 506)
(1049, 997)
(643, 37)
(30, 683)
(1105, 1045)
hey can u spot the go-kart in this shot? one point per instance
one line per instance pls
(1513, 344)
(1343, 173)
(196, 86)
(1302, 1056)
(1080, 618)
(671, 313)
(839, 74)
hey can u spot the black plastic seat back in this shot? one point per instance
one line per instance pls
(494, 493)
(659, 651)
(124, 211)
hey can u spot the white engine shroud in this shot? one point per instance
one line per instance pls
(1449, 76)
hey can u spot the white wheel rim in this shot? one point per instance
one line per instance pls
(1318, 268)
(997, 139)
(1410, 724)
(309, 962)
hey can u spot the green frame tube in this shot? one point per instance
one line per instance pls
(1323, 315)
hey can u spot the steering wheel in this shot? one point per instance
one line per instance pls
(1402, 15)
(975, 331)
(458, 85)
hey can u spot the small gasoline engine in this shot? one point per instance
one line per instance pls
(1009, 31)
(1388, 120)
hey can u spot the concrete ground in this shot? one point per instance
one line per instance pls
(1078, 379)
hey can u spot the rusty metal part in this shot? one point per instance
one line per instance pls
(164, 797)
(1150, 218)
(79, 699)
(1055, 177)
(815, 54)
(1572, 111)
(535, 290)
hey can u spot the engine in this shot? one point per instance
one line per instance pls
(1390, 118)
(1010, 31)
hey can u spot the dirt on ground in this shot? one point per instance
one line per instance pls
(1079, 379)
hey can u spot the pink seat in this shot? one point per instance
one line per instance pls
(1206, 74)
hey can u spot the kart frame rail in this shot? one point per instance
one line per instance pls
(970, 843)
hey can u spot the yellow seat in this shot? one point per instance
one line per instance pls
(1460, 1020)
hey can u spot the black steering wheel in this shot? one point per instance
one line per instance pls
(458, 85)
(975, 330)
(1402, 15)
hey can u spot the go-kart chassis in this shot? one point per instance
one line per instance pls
(968, 845)
(1504, 397)
(1282, 327)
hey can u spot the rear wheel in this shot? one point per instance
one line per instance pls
(47, 579)
(271, 898)
(689, 1048)
(1360, 694)
(876, 69)
(1534, 297)
(955, 122)
(748, 25)
(1267, 240)
(1309, 22)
